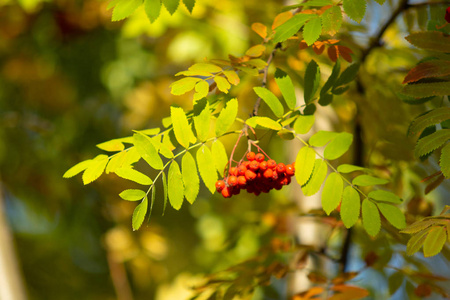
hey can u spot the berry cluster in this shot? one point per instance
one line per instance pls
(255, 175)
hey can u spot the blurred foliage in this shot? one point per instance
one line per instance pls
(70, 79)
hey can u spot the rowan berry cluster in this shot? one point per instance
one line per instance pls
(256, 175)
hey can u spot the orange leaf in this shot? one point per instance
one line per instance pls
(428, 69)
(281, 18)
(333, 53)
(423, 290)
(255, 51)
(260, 29)
(332, 41)
(318, 47)
(348, 292)
(303, 45)
(314, 291)
(345, 53)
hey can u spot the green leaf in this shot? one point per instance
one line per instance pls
(416, 242)
(317, 178)
(226, 117)
(286, 134)
(332, 79)
(445, 161)
(139, 214)
(370, 217)
(263, 122)
(338, 146)
(346, 77)
(181, 126)
(430, 40)
(117, 161)
(350, 206)
(346, 168)
(395, 280)
(309, 109)
(431, 142)
(304, 164)
(303, 124)
(393, 214)
(205, 67)
(321, 138)
(201, 90)
(332, 192)
(190, 177)
(286, 87)
(95, 169)
(366, 180)
(124, 9)
(385, 196)
(222, 84)
(147, 151)
(131, 156)
(171, 5)
(312, 30)
(175, 186)
(312, 80)
(202, 119)
(325, 99)
(355, 9)
(183, 85)
(111, 146)
(429, 119)
(151, 131)
(152, 9)
(189, 5)
(78, 168)
(434, 241)
(422, 90)
(132, 195)
(290, 27)
(206, 168)
(331, 20)
(271, 100)
(165, 188)
(134, 175)
(219, 156)
(153, 197)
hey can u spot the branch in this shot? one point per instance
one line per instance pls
(264, 81)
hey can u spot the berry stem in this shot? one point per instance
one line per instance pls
(232, 152)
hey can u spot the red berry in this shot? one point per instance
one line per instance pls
(271, 163)
(268, 173)
(281, 168)
(254, 165)
(233, 171)
(275, 175)
(250, 175)
(290, 170)
(242, 181)
(447, 15)
(251, 156)
(232, 180)
(259, 157)
(263, 165)
(220, 184)
(226, 193)
(241, 169)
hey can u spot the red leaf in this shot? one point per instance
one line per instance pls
(333, 53)
(345, 53)
(428, 69)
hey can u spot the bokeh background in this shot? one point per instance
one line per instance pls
(70, 79)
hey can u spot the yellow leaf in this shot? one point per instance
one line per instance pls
(260, 29)
(256, 51)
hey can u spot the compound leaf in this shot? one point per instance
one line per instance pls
(393, 214)
(321, 138)
(434, 241)
(366, 180)
(350, 206)
(226, 117)
(444, 162)
(78, 168)
(132, 195)
(207, 169)
(190, 177)
(355, 9)
(139, 214)
(338, 146)
(133, 175)
(385, 196)
(312, 30)
(290, 27)
(147, 151)
(171, 5)
(271, 100)
(263, 122)
(332, 192)
(219, 156)
(286, 87)
(312, 80)
(181, 126)
(304, 164)
(431, 142)
(124, 9)
(304, 123)
(175, 186)
(152, 9)
(95, 169)
(317, 178)
(431, 118)
(370, 217)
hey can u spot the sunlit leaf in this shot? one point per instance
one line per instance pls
(355, 9)
(124, 9)
(370, 217)
(416, 242)
(350, 206)
(317, 178)
(303, 124)
(232, 77)
(205, 67)
(95, 169)
(139, 214)
(348, 292)
(111, 146)
(222, 84)
(175, 186)
(78, 168)
(207, 168)
(183, 85)
(321, 138)
(434, 241)
(134, 175)
(430, 40)
(338, 146)
(431, 142)
(219, 156)
(332, 192)
(260, 29)
(286, 87)
(312, 80)
(385, 196)
(263, 122)
(312, 30)
(290, 27)
(256, 51)
(116, 161)
(132, 195)
(165, 188)
(190, 177)
(152, 9)
(226, 117)
(346, 168)
(393, 214)
(181, 126)
(201, 90)
(202, 119)
(147, 151)
(271, 100)
(304, 164)
(331, 20)
(366, 180)
(281, 18)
